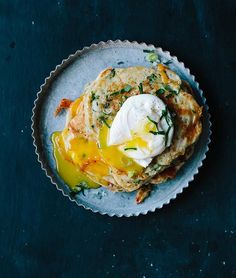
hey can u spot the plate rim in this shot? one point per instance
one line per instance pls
(69, 59)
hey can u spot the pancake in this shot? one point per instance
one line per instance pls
(92, 114)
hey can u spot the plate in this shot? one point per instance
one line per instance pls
(68, 81)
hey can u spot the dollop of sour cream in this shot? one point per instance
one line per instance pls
(142, 128)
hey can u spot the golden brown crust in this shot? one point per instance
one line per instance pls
(170, 173)
(142, 193)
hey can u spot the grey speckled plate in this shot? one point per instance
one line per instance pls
(68, 80)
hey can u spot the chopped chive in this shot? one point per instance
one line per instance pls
(167, 62)
(126, 89)
(166, 135)
(79, 188)
(161, 132)
(115, 93)
(160, 91)
(152, 57)
(194, 111)
(151, 78)
(112, 73)
(169, 89)
(131, 148)
(164, 114)
(155, 123)
(157, 167)
(102, 118)
(148, 51)
(93, 96)
(120, 63)
(140, 87)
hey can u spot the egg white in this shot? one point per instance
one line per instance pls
(129, 124)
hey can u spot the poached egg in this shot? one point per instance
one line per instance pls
(142, 128)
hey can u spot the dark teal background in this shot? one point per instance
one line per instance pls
(43, 234)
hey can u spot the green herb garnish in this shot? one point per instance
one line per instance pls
(155, 123)
(169, 89)
(103, 119)
(137, 181)
(160, 92)
(126, 89)
(140, 87)
(157, 167)
(152, 57)
(79, 188)
(131, 174)
(112, 73)
(152, 78)
(131, 148)
(166, 135)
(93, 96)
(161, 132)
(116, 93)
(167, 62)
(148, 51)
(167, 118)
(164, 114)
(120, 63)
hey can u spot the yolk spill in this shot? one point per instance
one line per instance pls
(114, 157)
(69, 172)
(78, 159)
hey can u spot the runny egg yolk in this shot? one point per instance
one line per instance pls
(136, 140)
(69, 172)
(114, 157)
(78, 159)
(85, 156)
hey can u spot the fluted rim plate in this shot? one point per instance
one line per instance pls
(67, 81)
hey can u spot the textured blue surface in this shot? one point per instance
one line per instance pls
(42, 234)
